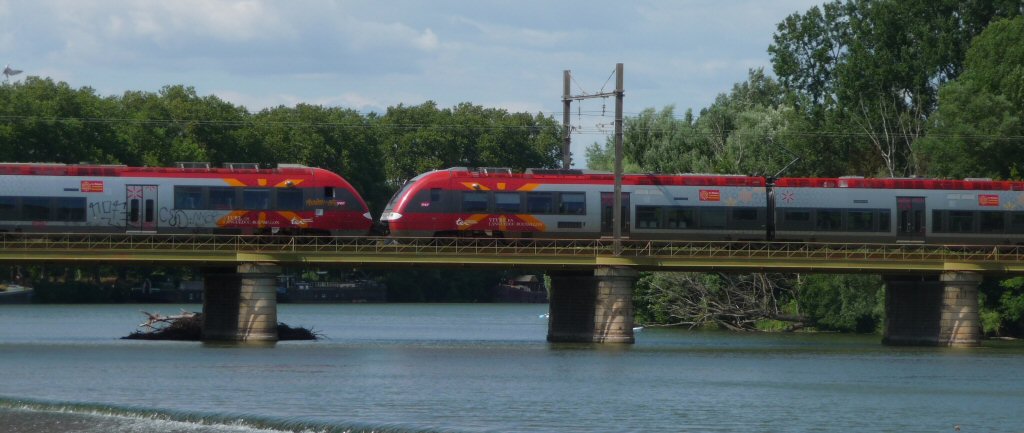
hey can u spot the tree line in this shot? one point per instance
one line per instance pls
(46, 121)
(882, 88)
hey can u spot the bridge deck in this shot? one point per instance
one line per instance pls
(502, 253)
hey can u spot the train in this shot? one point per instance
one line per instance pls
(187, 198)
(493, 202)
(553, 203)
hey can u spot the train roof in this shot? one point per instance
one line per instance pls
(899, 183)
(584, 176)
(54, 169)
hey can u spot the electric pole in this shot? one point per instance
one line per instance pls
(567, 138)
(566, 160)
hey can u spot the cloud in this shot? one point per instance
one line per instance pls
(493, 33)
(233, 21)
(426, 41)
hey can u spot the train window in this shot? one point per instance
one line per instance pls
(860, 221)
(256, 199)
(961, 221)
(680, 218)
(540, 202)
(133, 211)
(188, 197)
(744, 214)
(506, 202)
(1016, 222)
(150, 207)
(883, 221)
(797, 215)
(712, 218)
(573, 203)
(9, 208)
(473, 201)
(289, 199)
(992, 222)
(222, 198)
(829, 220)
(328, 192)
(745, 218)
(795, 219)
(435, 195)
(35, 208)
(70, 209)
(648, 217)
(938, 217)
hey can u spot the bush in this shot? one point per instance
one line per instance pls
(848, 303)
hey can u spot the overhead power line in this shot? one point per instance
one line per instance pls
(583, 130)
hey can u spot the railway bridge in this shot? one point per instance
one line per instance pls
(932, 296)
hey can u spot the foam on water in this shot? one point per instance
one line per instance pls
(27, 416)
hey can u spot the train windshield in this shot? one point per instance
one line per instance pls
(398, 195)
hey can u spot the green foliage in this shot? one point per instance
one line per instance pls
(866, 74)
(976, 129)
(420, 138)
(1002, 307)
(849, 303)
(746, 131)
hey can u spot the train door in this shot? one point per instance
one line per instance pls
(607, 204)
(911, 219)
(141, 208)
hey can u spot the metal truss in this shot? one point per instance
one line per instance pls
(542, 253)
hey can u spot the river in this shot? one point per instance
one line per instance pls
(484, 368)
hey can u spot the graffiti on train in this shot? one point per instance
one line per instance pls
(111, 213)
(181, 218)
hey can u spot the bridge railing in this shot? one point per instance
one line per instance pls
(127, 243)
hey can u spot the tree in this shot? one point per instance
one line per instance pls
(848, 303)
(736, 302)
(977, 128)
(416, 139)
(47, 121)
(871, 70)
(176, 124)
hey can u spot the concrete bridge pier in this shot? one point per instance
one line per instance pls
(933, 311)
(240, 304)
(592, 307)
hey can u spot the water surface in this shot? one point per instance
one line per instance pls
(484, 368)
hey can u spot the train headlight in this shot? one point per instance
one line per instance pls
(390, 216)
(368, 216)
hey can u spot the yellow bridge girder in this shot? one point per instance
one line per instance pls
(223, 250)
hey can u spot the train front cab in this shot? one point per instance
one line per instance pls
(337, 208)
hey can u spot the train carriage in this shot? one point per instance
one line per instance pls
(190, 198)
(572, 204)
(854, 209)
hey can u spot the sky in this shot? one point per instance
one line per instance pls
(370, 55)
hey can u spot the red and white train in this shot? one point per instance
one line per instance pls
(190, 198)
(294, 199)
(574, 204)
